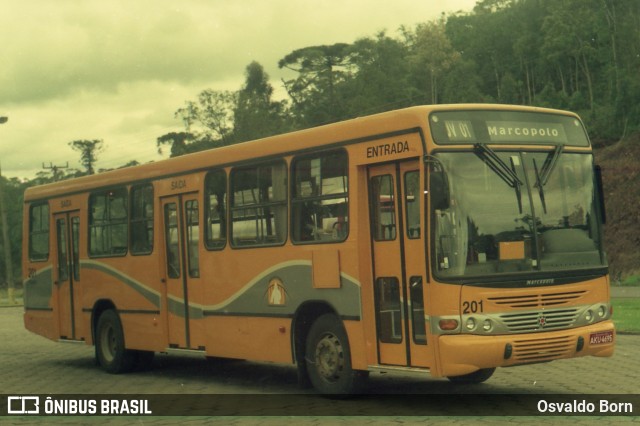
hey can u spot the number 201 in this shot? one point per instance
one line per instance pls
(472, 307)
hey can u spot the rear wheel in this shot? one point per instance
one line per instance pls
(111, 353)
(328, 358)
(476, 377)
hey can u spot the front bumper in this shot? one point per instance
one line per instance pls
(463, 353)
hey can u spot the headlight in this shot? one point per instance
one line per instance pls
(602, 311)
(486, 325)
(589, 315)
(471, 324)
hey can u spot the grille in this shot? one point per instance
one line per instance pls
(537, 300)
(539, 350)
(522, 322)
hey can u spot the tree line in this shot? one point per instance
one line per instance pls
(581, 55)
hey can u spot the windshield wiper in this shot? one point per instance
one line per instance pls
(540, 186)
(542, 176)
(506, 173)
(550, 164)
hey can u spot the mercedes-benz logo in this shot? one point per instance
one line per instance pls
(542, 321)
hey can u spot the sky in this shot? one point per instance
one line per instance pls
(118, 70)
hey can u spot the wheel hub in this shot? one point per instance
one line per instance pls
(109, 344)
(329, 358)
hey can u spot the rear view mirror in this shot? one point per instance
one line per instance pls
(439, 190)
(597, 170)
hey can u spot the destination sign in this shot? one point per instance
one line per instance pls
(506, 127)
(513, 131)
(459, 130)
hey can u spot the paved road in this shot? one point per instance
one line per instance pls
(31, 364)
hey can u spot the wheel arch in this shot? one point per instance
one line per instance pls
(303, 319)
(99, 307)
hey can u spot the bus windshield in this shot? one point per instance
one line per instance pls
(517, 211)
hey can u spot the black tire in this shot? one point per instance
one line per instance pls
(479, 376)
(328, 358)
(111, 352)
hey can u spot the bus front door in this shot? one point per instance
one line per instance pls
(397, 235)
(182, 271)
(66, 306)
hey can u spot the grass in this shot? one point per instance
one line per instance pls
(633, 280)
(626, 314)
(4, 299)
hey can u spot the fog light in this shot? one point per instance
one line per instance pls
(508, 350)
(486, 326)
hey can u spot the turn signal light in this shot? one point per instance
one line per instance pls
(448, 324)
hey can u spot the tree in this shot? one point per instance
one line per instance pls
(381, 74)
(212, 114)
(178, 142)
(11, 202)
(568, 35)
(89, 150)
(208, 123)
(431, 57)
(256, 114)
(314, 91)
(486, 38)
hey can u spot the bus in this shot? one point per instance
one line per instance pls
(443, 240)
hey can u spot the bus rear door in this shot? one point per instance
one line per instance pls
(182, 270)
(67, 274)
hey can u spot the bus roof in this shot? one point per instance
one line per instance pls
(338, 133)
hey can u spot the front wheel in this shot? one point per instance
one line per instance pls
(110, 348)
(328, 358)
(479, 376)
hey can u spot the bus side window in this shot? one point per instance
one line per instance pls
(141, 226)
(320, 198)
(216, 209)
(39, 232)
(108, 223)
(259, 205)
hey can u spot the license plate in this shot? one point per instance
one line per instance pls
(601, 338)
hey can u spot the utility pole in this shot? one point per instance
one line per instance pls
(55, 169)
(6, 243)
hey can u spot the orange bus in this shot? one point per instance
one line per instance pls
(444, 239)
